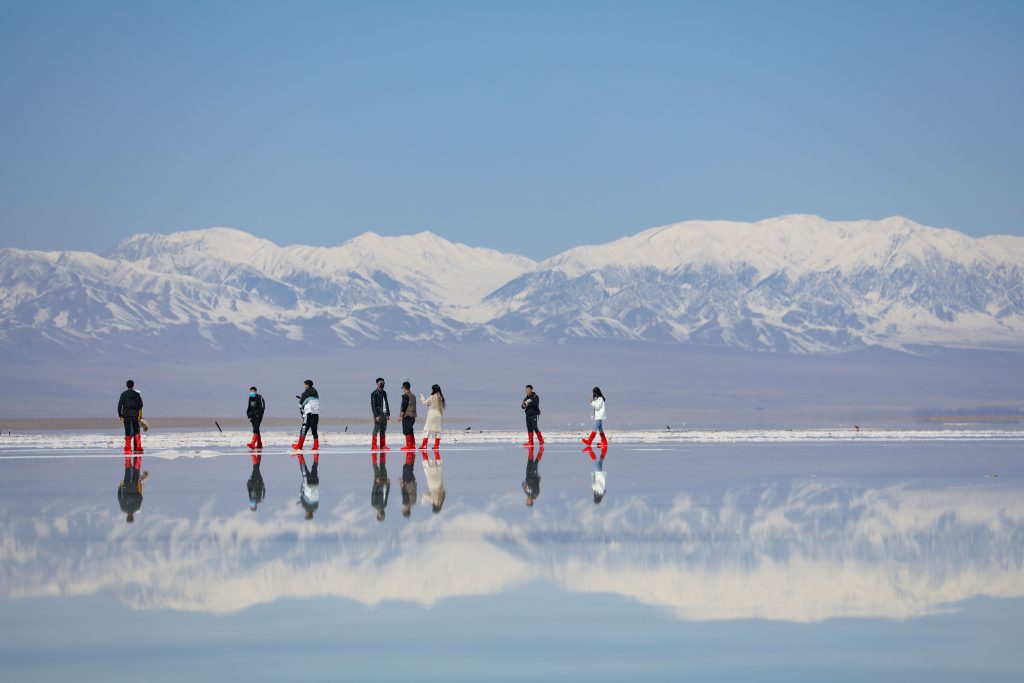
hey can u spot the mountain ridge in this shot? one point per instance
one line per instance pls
(796, 283)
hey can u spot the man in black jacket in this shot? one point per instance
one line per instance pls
(381, 412)
(531, 406)
(129, 410)
(381, 486)
(408, 416)
(254, 411)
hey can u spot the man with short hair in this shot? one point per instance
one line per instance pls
(254, 411)
(129, 410)
(408, 416)
(531, 406)
(309, 408)
(381, 412)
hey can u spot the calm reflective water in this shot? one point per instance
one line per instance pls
(894, 561)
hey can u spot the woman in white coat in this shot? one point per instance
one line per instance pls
(597, 412)
(435, 411)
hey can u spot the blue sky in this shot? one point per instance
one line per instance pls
(527, 127)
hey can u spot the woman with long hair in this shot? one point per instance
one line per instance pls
(435, 411)
(597, 413)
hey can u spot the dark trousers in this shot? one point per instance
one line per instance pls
(407, 423)
(380, 426)
(131, 426)
(256, 424)
(309, 422)
(531, 423)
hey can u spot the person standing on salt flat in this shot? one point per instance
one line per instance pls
(254, 411)
(129, 410)
(408, 416)
(309, 408)
(597, 414)
(531, 406)
(381, 412)
(435, 412)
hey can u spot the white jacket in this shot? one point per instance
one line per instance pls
(598, 405)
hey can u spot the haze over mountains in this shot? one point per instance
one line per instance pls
(790, 284)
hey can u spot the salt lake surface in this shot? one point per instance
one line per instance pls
(745, 555)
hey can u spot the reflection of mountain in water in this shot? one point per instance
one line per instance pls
(800, 553)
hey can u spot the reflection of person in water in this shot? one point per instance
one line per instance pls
(435, 481)
(408, 484)
(381, 484)
(129, 490)
(309, 490)
(531, 485)
(597, 477)
(257, 490)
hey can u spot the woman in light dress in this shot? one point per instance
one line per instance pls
(435, 411)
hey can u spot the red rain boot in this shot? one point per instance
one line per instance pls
(373, 446)
(384, 442)
(252, 443)
(540, 438)
(604, 439)
(127, 445)
(424, 444)
(128, 462)
(138, 443)
(437, 443)
(530, 442)
(589, 440)
(316, 444)
(259, 441)
(410, 443)
(297, 446)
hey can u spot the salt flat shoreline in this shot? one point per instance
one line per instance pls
(157, 442)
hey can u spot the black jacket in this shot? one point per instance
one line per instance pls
(379, 403)
(257, 406)
(130, 404)
(533, 407)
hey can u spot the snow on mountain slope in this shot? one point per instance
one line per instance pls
(794, 283)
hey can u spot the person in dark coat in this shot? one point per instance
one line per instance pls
(129, 410)
(408, 416)
(381, 410)
(129, 489)
(254, 411)
(309, 408)
(257, 489)
(531, 407)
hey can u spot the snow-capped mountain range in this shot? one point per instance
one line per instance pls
(794, 283)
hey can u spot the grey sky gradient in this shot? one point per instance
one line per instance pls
(527, 127)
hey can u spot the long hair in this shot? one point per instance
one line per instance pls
(436, 389)
(597, 392)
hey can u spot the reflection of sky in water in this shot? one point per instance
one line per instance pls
(684, 544)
